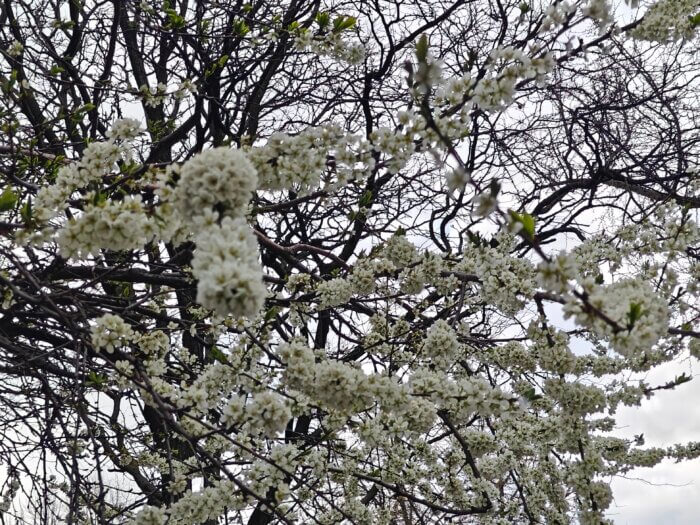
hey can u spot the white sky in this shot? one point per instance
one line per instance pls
(669, 493)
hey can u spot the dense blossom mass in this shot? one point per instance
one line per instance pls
(328, 262)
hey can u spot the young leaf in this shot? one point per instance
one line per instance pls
(366, 198)
(26, 212)
(422, 49)
(217, 355)
(528, 222)
(633, 315)
(240, 28)
(8, 199)
(323, 19)
(343, 22)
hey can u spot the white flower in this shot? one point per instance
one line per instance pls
(486, 203)
(556, 274)
(667, 20)
(145, 7)
(640, 315)
(220, 179)
(457, 179)
(441, 346)
(15, 49)
(334, 292)
(109, 332)
(150, 516)
(400, 251)
(226, 267)
(114, 225)
(268, 413)
(124, 129)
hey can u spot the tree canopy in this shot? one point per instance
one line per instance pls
(353, 261)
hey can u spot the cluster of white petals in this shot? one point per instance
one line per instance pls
(225, 264)
(600, 12)
(124, 129)
(332, 44)
(219, 180)
(633, 316)
(556, 14)
(400, 251)
(557, 274)
(110, 332)
(668, 20)
(503, 277)
(299, 161)
(15, 49)
(441, 346)
(268, 412)
(98, 159)
(114, 225)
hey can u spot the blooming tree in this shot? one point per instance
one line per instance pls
(340, 261)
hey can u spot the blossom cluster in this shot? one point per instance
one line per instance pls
(299, 161)
(110, 332)
(118, 225)
(98, 159)
(507, 65)
(333, 44)
(219, 180)
(667, 20)
(628, 313)
(503, 277)
(225, 264)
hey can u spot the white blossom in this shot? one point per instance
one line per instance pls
(628, 313)
(15, 49)
(225, 264)
(110, 332)
(220, 180)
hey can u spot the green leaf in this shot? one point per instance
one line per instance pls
(528, 222)
(271, 313)
(683, 378)
(366, 198)
(99, 198)
(343, 22)
(26, 212)
(323, 19)
(694, 20)
(85, 108)
(422, 48)
(175, 21)
(55, 70)
(476, 238)
(531, 394)
(223, 60)
(8, 199)
(633, 315)
(240, 28)
(217, 355)
(96, 380)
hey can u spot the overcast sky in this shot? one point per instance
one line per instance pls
(669, 493)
